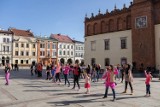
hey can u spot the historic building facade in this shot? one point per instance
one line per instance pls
(47, 50)
(5, 47)
(24, 51)
(79, 51)
(65, 48)
(129, 35)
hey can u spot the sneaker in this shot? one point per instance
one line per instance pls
(104, 97)
(114, 100)
(124, 92)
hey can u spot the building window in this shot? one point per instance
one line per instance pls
(7, 40)
(33, 54)
(106, 44)
(68, 46)
(54, 53)
(16, 61)
(48, 53)
(22, 53)
(7, 49)
(22, 45)
(33, 46)
(42, 45)
(60, 52)
(124, 43)
(93, 45)
(107, 62)
(16, 45)
(4, 48)
(27, 53)
(43, 53)
(81, 48)
(26, 61)
(72, 53)
(4, 40)
(21, 61)
(64, 46)
(71, 47)
(48, 45)
(93, 61)
(16, 53)
(54, 46)
(76, 48)
(27, 45)
(68, 52)
(60, 46)
(64, 52)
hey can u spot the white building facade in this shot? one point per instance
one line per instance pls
(5, 47)
(65, 48)
(66, 51)
(79, 51)
(110, 48)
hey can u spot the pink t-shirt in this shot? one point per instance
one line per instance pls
(66, 69)
(148, 78)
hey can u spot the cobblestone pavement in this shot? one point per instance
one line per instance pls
(29, 91)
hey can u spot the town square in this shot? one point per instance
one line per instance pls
(80, 53)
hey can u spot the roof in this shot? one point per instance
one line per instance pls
(46, 38)
(4, 31)
(18, 32)
(62, 38)
(75, 41)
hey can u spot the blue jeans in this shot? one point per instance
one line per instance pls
(148, 89)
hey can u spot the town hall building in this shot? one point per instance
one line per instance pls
(128, 35)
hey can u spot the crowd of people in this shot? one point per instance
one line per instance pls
(89, 74)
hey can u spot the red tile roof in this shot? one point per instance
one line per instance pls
(25, 33)
(62, 38)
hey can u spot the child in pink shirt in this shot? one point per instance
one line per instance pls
(66, 72)
(109, 76)
(147, 82)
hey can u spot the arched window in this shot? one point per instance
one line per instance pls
(95, 28)
(88, 29)
(111, 25)
(119, 24)
(103, 27)
(128, 22)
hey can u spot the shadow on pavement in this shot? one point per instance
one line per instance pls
(121, 98)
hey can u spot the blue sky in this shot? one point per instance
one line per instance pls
(44, 17)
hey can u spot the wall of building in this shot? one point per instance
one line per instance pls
(157, 45)
(62, 49)
(79, 52)
(114, 54)
(24, 40)
(5, 53)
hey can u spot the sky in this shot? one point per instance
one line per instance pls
(44, 17)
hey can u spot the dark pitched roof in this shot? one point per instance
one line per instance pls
(4, 31)
(75, 41)
(62, 38)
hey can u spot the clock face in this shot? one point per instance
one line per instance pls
(141, 22)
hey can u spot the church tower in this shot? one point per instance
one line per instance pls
(143, 37)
